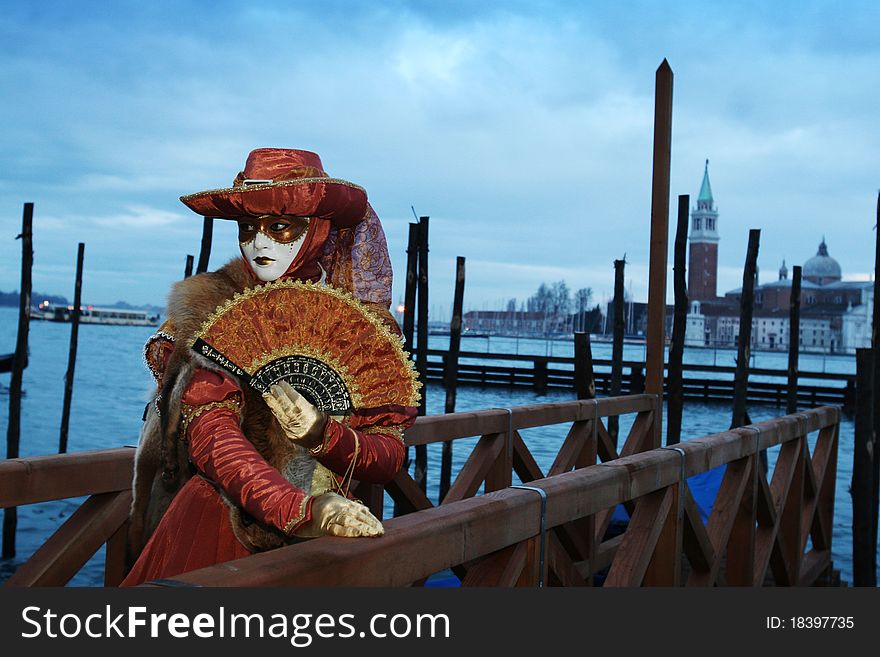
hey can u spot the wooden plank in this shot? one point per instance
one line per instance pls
(695, 539)
(407, 495)
(74, 543)
(524, 464)
(59, 476)
(791, 518)
(489, 570)
(560, 567)
(438, 428)
(741, 544)
(815, 564)
(571, 448)
(116, 556)
(723, 516)
(634, 555)
(475, 469)
(766, 532)
(640, 434)
(664, 568)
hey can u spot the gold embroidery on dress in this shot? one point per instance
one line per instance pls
(189, 413)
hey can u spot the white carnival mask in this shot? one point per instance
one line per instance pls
(270, 244)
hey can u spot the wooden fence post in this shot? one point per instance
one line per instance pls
(744, 350)
(409, 298)
(420, 474)
(452, 372)
(13, 430)
(875, 345)
(863, 547)
(618, 329)
(205, 252)
(655, 347)
(675, 391)
(584, 381)
(794, 339)
(71, 358)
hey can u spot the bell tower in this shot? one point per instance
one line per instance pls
(703, 253)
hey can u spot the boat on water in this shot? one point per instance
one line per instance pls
(93, 315)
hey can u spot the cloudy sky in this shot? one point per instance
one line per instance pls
(522, 129)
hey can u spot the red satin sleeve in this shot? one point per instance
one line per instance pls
(373, 441)
(220, 450)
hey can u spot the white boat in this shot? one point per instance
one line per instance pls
(94, 315)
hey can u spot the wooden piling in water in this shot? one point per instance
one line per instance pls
(875, 345)
(420, 474)
(412, 279)
(863, 546)
(205, 251)
(744, 346)
(618, 328)
(584, 381)
(655, 347)
(188, 268)
(71, 357)
(794, 340)
(674, 388)
(13, 430)
(409, 310)
(451, 373)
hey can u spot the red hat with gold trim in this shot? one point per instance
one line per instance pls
(283, 181)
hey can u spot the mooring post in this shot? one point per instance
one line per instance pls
(412, 280)
(744, 348)
(409, 312)
(188, 268)
(584, 380)
(675, 391)
(452, 372)
(875, 345)
(71, 357)
(794, 340)
(864, 546)
(13, 430)
(618, 327)
(655, 346)
(420, 474)
(205, 252)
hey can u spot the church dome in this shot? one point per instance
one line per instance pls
(822, 268)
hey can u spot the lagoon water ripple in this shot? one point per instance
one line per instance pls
(112, 384)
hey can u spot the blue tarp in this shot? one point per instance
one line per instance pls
(704, 488)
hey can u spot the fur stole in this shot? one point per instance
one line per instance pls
(162, 464)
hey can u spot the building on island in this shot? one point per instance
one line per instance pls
(835, 315)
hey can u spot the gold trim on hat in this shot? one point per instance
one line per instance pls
(272, 185)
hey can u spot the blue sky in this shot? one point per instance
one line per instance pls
(523, 129)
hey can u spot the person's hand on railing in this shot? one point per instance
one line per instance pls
(334, 515)
(300, 420)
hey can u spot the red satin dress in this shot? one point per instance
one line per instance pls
(196, 532)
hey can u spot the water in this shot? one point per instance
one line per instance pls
(112, 385)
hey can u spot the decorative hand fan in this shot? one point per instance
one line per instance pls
(321, 340)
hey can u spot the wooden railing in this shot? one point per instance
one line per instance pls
(495, 539)
(103, 475)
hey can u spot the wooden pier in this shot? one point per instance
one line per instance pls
(543, 373)
(555, 531)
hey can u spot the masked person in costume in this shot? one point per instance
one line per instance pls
(222, 470)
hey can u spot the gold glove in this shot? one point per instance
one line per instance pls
(301, 421)
(334, 515)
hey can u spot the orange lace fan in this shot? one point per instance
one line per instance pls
(321, 340)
